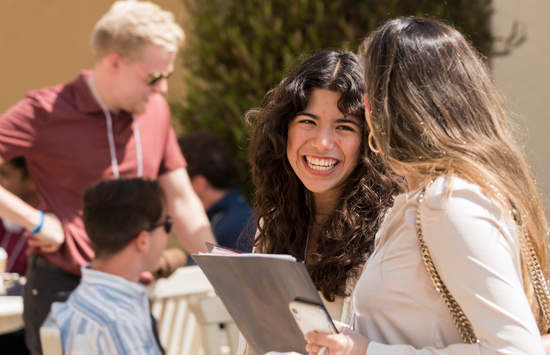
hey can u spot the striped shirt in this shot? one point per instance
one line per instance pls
(105, 314)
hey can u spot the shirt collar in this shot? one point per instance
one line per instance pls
(112, 281)
(84, 98)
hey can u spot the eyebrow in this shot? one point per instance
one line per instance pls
(339, 120)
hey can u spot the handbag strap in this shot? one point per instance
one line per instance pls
(462, 323)
(535, 271)
(460, 319)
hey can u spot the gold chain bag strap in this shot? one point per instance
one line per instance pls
(462, 323)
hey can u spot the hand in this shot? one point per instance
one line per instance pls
(51, 235)
(347, 342)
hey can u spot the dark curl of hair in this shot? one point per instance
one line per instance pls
(285, 207)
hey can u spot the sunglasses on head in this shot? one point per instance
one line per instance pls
(167, 224)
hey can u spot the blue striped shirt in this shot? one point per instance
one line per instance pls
(105, 314)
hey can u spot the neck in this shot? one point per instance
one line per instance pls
(325, 204)
(120, 264)
(210, 197)
(100, 82)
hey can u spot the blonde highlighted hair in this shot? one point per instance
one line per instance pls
(129, 25)
(435, 111)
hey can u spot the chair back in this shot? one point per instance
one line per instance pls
(50, 337)
(178, 304)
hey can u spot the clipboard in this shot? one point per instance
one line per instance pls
(256, 289)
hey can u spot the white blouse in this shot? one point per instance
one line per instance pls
(475, 248)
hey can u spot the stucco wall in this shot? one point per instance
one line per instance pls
(523, 77)
(47, 42)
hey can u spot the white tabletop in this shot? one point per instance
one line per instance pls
(11, 313)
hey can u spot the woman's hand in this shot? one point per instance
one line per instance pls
(345, 343)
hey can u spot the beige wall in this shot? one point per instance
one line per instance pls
(523, 77)
(47, 42)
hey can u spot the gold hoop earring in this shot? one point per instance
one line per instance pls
(371, 145)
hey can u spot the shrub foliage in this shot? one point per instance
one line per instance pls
(236, 50)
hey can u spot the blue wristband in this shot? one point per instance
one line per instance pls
(40, 224)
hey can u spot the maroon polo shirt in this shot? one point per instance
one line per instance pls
(62, 133)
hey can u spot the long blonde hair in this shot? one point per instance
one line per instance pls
(435, 111)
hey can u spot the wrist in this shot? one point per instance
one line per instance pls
(39, 225)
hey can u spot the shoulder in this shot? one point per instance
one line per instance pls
(457, 216)
(454, 197)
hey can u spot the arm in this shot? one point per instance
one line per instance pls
(18, 211)
(19, 127)
(190, 221)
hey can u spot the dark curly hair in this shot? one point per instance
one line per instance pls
(285, 207)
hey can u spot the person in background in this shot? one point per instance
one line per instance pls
(108, 313)
(15, 178)
(108, 123)
(468, 200)
(211, 167)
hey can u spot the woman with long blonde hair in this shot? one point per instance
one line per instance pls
(452, 270)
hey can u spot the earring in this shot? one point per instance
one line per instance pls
(371, 145)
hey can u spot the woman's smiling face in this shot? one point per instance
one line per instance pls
(323, 144)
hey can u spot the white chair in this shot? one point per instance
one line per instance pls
(50, 337)
(188, 314)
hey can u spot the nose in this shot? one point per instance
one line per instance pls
(161, 86)
(324, 140)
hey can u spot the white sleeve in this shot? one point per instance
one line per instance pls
(476, 252)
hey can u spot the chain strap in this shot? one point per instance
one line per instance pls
(535, 272)
(462, 322)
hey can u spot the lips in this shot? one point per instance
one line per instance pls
(320, 164)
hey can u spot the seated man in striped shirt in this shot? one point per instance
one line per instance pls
(108, 313)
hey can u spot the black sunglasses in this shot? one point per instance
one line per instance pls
(167, 224)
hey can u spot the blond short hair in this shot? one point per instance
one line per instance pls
(131, 24)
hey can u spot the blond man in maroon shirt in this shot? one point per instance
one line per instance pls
(109, 122)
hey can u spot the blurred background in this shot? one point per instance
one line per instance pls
(236, 50)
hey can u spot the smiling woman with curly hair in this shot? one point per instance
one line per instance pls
(320, 192)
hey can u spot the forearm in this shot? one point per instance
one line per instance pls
(18, 211)
(192, 226)
(190, 222)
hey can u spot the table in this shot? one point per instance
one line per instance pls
(11, 313)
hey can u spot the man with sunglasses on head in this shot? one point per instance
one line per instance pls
(108, 313)
(110, 122)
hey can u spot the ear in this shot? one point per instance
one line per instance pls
(113, 62)
(367, 111)
(141, 242)
(366, 101)
(199, 183)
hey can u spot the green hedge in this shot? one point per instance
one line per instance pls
(236, 50)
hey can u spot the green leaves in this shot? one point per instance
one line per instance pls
(236, 50)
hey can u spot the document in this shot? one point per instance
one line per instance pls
(256, 289)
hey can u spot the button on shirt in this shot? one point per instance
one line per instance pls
(106, 314)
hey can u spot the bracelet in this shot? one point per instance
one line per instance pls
(40, 224)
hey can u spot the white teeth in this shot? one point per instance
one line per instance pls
(320, 164)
